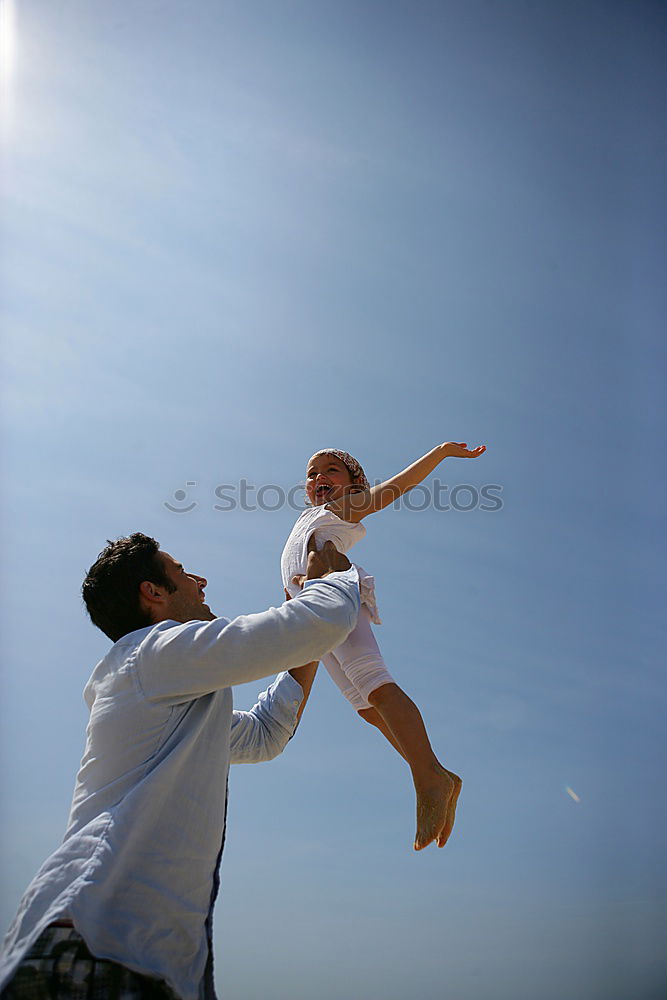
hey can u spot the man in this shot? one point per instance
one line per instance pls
(124, 906)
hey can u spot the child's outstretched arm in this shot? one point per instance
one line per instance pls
(356, 506)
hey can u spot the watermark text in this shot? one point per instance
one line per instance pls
(270, 497)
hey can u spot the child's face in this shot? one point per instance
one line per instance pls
(327, 478)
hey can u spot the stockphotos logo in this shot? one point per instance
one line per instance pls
(247, 496)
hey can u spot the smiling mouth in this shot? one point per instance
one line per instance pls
(322, 492)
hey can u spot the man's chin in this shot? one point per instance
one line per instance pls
(204, 613)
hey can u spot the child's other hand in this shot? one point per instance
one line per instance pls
(459, 449)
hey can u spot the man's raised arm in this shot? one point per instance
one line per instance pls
(179, 662)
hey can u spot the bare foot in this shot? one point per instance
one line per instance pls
(443, 836)
(436, 807)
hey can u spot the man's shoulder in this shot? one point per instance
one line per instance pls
(169, 635)
(115, 661)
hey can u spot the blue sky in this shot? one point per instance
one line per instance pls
(235, 233)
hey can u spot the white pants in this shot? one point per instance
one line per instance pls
(356, 666)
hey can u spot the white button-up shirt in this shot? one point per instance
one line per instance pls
(138, 865)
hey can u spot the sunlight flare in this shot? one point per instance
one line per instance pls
(7, 57)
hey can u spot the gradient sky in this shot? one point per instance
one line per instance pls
(236, 232)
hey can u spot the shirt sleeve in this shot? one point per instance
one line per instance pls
(263, 732)
(176, 663)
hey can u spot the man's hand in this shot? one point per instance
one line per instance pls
(459, 449)
(320, 564)
(329, 560)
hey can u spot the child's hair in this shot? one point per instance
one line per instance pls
(351, 464)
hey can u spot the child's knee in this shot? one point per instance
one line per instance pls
(380, 695)
(367, 673)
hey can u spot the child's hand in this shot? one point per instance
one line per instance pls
(459, 449)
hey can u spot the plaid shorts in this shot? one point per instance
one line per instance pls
(60, 967)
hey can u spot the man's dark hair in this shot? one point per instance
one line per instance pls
(111, 588)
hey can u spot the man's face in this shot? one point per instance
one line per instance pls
(186, 604)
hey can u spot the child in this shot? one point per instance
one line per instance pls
(339, 497)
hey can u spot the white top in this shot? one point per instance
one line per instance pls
(137, 868)
(329, 528)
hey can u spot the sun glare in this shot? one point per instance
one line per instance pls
(7, 57)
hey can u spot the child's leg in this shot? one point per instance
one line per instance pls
(360, 704)
(347, 688)
(437, 789)
(373, 717)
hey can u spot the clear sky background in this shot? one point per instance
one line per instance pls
(236, 232)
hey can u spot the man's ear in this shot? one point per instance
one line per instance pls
(150, 593)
